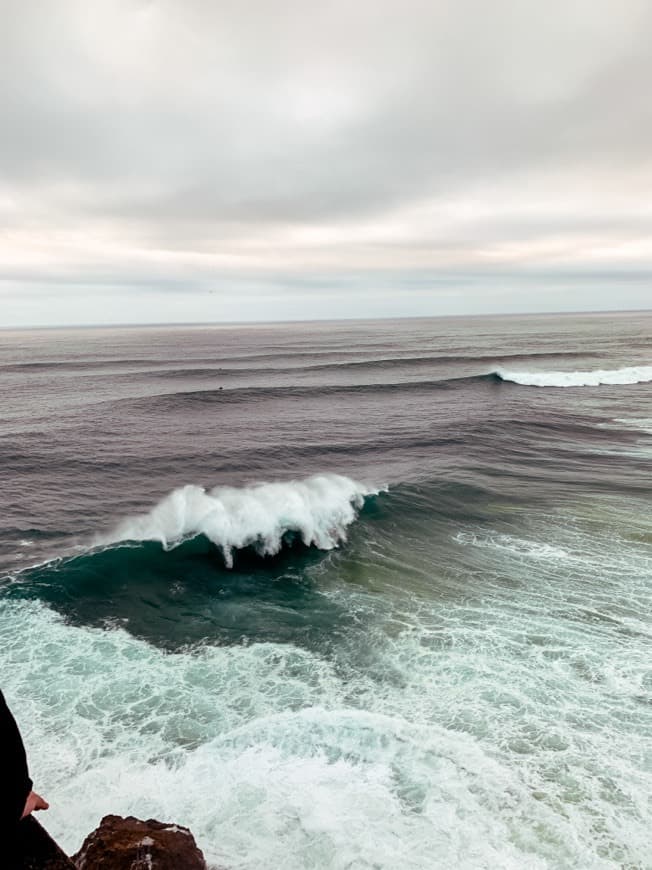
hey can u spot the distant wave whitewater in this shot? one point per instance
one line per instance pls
(630, 375)
(318, 509)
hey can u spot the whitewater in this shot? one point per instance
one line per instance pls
(317, 510)
(627, 375)
(332, 596)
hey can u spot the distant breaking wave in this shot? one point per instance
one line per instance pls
(318, 510)
(631, 375)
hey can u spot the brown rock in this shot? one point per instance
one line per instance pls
(130, 844)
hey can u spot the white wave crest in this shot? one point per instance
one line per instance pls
(318, 509)
(630, 375)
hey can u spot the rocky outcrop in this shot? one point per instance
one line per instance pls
(130, 844)
(118, 844)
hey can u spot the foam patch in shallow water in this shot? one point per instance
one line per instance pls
(236, 743)
(274, 756)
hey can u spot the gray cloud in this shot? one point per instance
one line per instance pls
(179, 146)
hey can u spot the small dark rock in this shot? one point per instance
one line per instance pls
(130, 844)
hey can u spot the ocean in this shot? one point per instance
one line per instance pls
(336, 595)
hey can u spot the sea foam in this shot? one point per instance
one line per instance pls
(318, 510)
(511, 545)
(308, 764)
(629, 375)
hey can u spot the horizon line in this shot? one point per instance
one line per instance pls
(252, 323)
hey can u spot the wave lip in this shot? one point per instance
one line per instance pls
(628, 375)
(318, 509)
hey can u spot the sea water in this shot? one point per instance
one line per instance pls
(340, 595)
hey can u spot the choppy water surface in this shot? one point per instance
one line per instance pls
(363, 595)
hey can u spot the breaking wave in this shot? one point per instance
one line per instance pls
(629, 375)
(318, 510)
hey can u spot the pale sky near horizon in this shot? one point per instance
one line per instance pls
(184, 160)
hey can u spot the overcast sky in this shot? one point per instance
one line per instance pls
(191, 160)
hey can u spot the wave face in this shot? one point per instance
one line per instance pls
(318, 510)
(629, 375)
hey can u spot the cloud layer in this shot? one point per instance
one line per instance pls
(189, 160)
